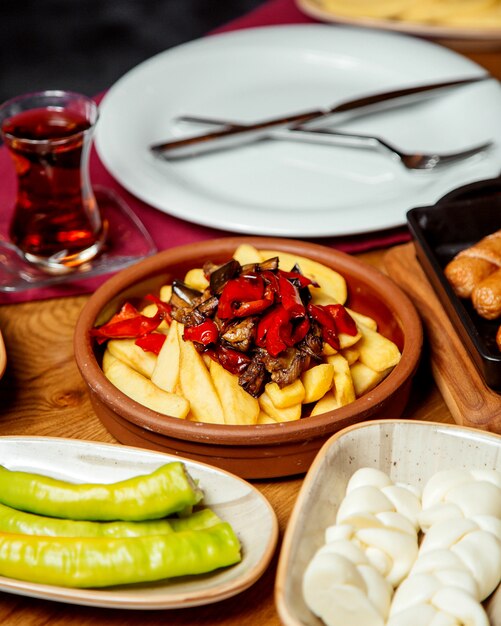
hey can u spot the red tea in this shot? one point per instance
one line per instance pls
(55, 212)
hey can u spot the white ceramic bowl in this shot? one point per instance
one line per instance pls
(408, 451)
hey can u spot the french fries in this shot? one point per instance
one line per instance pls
(317, 381)
(166, 371)
(286, 396)
(324, 405)
(239, 407)
(364, 378)
(246, 254)
(142, 390)
(195, 278)
(197, 385)
(376, 351)
(286, 414)
(344, 389)
(184, 383)
(135, 357)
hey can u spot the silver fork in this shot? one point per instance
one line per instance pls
(412, 161)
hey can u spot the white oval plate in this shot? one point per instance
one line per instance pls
(290, 189)
(230, 497)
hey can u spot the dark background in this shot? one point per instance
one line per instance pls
(86, 45)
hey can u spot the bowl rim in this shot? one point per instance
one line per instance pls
(236, 435)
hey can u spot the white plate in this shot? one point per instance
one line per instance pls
(230, 497)
(279, 188)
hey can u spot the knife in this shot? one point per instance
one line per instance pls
(238, 135)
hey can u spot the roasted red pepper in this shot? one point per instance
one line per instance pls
(333, 319)
(300, 279)
(290, 298)
(152, 342)
(278, 330)
(127, 325)
(232, 360)
(127, 312)
(300, 326)
(270, 329)
(343, 320)
(205, 333)
(271, 279)
(163, 307)
(327, 324)
(243, 296)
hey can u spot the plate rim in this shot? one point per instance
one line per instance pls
(106, 597)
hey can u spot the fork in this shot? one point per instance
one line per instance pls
(410, 160)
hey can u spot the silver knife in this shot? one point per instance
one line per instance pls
(238, 135)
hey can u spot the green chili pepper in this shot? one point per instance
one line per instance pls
(205, 518)
(167, 490)
(103, 561)
(14, 521)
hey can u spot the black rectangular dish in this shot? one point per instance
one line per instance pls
(458, 221)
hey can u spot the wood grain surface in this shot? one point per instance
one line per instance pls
(470, 401)
(42, 393)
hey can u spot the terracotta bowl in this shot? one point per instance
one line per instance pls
(260, 451)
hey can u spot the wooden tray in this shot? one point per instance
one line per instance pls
(469, 399)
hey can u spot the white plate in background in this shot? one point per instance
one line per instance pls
(291, 189)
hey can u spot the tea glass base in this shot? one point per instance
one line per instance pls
(63, 263)
(127, 241)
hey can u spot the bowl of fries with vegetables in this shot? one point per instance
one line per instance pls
(246, 353)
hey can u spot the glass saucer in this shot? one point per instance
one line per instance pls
(128, 242)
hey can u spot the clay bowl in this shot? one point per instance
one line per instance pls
(260, 451)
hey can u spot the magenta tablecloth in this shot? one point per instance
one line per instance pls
(168, 231)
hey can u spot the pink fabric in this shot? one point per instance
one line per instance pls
(168, 231)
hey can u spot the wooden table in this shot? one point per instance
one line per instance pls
(42, 394)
